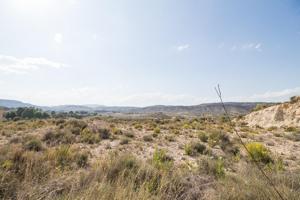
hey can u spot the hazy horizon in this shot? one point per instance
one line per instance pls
(141, 53)
(138, 106)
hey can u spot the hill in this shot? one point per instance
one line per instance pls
(13, 103)
(285, 114)
(202, 109)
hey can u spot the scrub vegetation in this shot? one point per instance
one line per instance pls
(110, 157)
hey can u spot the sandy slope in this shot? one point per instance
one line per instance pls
(285, 114)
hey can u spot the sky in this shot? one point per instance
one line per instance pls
(148, 52)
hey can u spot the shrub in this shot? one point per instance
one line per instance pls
(212, 167)
(186, 126)
(147, 138)
(63, 157)
(272, 128)
(60, 137)
(203, 137)
(138, 126)
(116, 131)
(76, 124)
(116, 168)
(87, 136)
(129, 134)
(170, 138)
(295, 136)
(82, 160)
(104, 133)
(161, 160)
(294, 99)
(259, 152)
(157, 130)
(124, 141)
(291, 129)
(49, 135)
(34, 145)
(193, 149)
(260, 107)
(218, 138)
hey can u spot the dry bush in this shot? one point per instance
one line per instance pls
(194, 149)
(250, 185)
(57, 137)
(89, 137)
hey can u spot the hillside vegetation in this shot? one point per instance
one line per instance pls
(144, 158)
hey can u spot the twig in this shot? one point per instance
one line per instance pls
(219, 93)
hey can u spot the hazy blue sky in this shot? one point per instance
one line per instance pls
(144, 52)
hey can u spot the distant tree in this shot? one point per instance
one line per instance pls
(10, 115)
(20, 111)
(45, 115)
(26, 113)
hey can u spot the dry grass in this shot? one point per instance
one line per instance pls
(112, 158)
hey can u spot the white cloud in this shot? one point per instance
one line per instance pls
(182, 47)
(252, 46)
(12, 64)
(283, 94)
(93, 95)
(247, 47)
(58, 38)
(270, 96)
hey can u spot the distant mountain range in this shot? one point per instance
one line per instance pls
(207, 108)
(13, 104)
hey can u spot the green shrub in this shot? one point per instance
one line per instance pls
(291, 129)
(87, 136)
(63, 157)
(161, 160)
(272, 128)
(213, 167)
(186, 126)
(193, 149)
(138, 126)
(157, 130)
(259, 152)
(116, 131)
(218, 138)
(203, 136)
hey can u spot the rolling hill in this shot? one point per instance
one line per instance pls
(235, 108)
